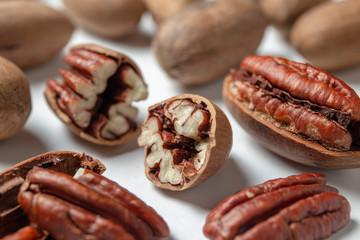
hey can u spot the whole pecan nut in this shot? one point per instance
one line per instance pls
(187, 139)
(94, 99)
(89, 206)
(12, 217)
(300, 107)
(297, 207)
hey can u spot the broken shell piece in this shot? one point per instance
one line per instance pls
(94, 99)
(184, 141)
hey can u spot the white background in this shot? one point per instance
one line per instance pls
(185, 212)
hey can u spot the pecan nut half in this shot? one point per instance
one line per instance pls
(12, 217)
(94, 99)
(297, 207)
(295, 104)
(88, 207)
(187, 139)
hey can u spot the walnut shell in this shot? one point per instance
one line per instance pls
(15, 103)
(333, 44)
(31, 32)
(109, 18)
(201, 43)
(218, 143)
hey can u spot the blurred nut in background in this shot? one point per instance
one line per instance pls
(164, 9)
(108, 18)
(282, 13)
(328, 35)
(15, 102)
(31, 32)
(201, 43)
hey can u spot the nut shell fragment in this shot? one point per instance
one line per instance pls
(187, 139)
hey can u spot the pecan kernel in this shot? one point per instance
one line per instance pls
(12, 216)
(299, 205)
(91, 200)
(300, 99)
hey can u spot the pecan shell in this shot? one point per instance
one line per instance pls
(310, 116)
(95, 96)
(12, 178)
(187, 139)
(90, 205)
(296, 207)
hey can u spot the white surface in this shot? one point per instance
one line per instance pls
(185, 212)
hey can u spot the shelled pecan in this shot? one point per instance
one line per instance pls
(297, 207)
(94, 99)
(302, 109)
(89, 206)
(187, 139)
(12, 217)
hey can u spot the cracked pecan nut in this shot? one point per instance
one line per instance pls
(297, 207)
(94, 99)
(187, 139)
(87, 206)
(310, 116)
(12, 217)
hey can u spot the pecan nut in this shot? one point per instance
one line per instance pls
(187, 139)
(299, 106)
(88, 206)
(12, 217)
(297, 207)
(94, 99)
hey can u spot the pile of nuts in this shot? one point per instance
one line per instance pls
(296, 110)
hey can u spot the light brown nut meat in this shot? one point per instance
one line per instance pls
(12, 178)
(299, 107)
(297, 207)
(32, 32)
(187, 139)
(85, 210)
(15, 102)
(94, 99)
